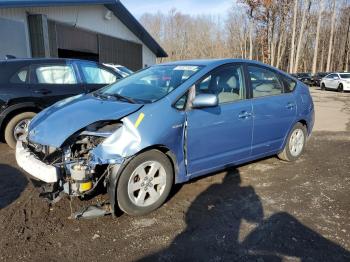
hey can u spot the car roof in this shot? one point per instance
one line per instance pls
(209, 62)
(218, 62)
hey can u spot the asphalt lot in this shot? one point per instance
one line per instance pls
(263, 211)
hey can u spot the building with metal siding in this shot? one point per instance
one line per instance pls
(97, 30)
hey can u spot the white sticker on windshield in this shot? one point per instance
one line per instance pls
(186, 68)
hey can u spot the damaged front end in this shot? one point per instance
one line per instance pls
(79, 168)
(63, 149)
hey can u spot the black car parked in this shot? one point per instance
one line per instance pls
(29, 85)
(304, 77)
(316, 79)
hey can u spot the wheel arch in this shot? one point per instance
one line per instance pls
(303, 122)
(14, 110)
(115, 174)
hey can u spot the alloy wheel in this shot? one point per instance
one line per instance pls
(296, 142)
(147, 183)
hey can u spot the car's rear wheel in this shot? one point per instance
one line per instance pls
(340, 88)
(16, 127)
(295, 143)
(145, 183)
(323, 86)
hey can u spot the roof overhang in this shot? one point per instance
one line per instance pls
(118, 9)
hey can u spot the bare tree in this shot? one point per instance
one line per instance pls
(346, 46)
(295, 14)
(291, 35)
(301, 35)
(314, 62)
(330, 46)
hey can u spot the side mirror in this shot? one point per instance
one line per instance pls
(205, 100)
(335, 78)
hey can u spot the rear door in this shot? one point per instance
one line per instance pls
(55, 81)
(95, 76)
(274, 109)
(14, 84)
(222, 135)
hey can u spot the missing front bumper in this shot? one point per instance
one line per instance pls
(36, 168)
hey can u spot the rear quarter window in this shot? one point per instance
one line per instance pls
(20, 77)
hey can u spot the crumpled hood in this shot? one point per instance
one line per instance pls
(57, 123)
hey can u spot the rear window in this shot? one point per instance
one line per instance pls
(347, 76)
(20, 77)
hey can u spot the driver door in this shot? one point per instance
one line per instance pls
(222, 135)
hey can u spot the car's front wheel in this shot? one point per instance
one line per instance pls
(323, 86)
(295, 143)
(340, 88)
(145, 183)
(16, 127)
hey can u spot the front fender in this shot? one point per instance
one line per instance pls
(156, 125)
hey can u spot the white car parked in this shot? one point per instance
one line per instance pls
(336, 81)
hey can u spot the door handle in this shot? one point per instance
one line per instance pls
(290, 105)
(42, 91)
(244, 115)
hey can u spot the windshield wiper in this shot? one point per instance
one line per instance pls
(118, 96)
(99, 95)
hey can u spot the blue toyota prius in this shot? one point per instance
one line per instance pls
(165, 124)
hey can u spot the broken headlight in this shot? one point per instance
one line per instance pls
(82, 176)
(92, 136)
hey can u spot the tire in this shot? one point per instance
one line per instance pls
(136, 191)
(9, 132)
(323, 86)
(340, 88)
(288, 153)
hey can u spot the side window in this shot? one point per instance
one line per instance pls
(55, 74)
(289, 84)
(227, 83)
(20, 77)
(95, 75)
(264, 82)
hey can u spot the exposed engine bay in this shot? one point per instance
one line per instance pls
(77, 174)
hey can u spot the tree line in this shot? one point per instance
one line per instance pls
(293, 35)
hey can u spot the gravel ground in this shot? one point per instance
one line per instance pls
(263, 211)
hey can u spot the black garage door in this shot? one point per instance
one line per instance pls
(114, 50)
(71, 42)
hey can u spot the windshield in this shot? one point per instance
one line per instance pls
(344, 75)
(303, 75)
(151, 84)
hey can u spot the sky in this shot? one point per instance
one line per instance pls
(191, 7)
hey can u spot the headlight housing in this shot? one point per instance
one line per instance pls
(101, 129)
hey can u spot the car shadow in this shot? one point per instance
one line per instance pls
(12, 183)
(214, 233)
